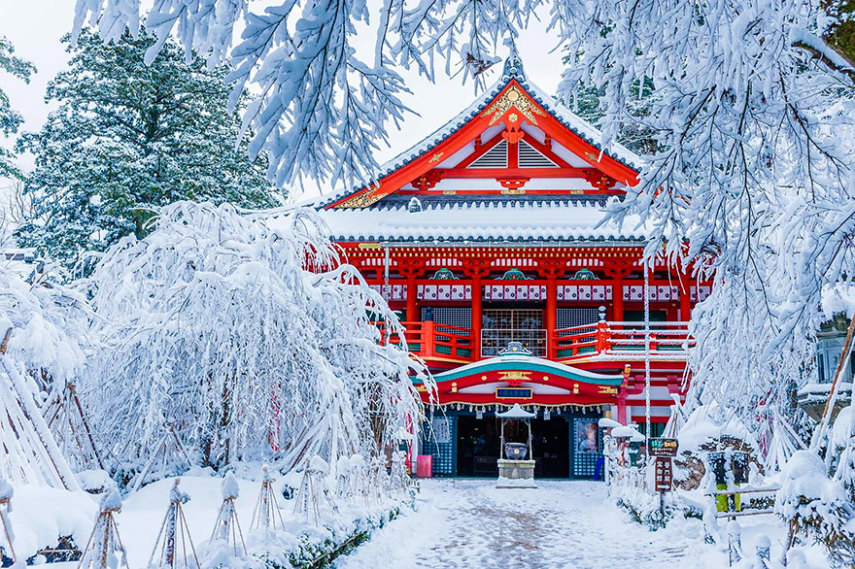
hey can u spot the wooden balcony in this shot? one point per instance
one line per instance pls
(438, 342)
(621, 341)
(441, 345)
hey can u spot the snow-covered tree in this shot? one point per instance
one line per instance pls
(248, 335)
(10, 120)
(42, 341)
(751, 182)
(127, 137)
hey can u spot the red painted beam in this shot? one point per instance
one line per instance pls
(510, 172)
(490, 399)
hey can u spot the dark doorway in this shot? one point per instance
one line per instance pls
(551, 441)
(478, 445)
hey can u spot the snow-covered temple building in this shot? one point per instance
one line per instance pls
(488, 239)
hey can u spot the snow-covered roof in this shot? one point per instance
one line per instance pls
(606, 423)
(21, 261)
(515, 412)
(552, 221)
(513, 70)
(622, 432)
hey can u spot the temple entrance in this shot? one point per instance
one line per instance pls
(478, 445)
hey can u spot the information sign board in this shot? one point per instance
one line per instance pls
(664, 474)
(663, 447)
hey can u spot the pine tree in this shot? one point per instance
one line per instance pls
(10, 120)
(128, 136)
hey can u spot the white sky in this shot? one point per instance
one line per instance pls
(36, 26)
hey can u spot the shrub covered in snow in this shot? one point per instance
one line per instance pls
(816, 506)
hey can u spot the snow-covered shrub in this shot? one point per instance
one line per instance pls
(710, 428)
(42, 334)
(43, 323)
(816, 506)
(248, 335)
(644, 507)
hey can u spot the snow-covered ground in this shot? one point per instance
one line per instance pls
(560, 524)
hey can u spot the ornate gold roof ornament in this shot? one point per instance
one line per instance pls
(516, 98)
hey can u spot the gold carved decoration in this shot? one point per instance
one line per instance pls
(436, 157)
(362, 199)
(514, 378)
(513, 97)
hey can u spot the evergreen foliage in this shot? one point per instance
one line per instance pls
(128, 137)
(10, 120)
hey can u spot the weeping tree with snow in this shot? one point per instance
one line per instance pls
(43, 335)
(246, 334)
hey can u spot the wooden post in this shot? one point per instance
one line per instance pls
(412, 296)
(621, 408)
(5, 345)
(428, 339)
(617, 299)
(551, 314)
(476, 317)
(829, 403)
(602, 333)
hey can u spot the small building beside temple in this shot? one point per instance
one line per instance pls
(488, 238)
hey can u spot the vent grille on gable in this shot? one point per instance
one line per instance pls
(496, 157)
(529, 157)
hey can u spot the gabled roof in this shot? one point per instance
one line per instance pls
(511, 94)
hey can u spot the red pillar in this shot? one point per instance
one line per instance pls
(412, 304)
(617, 299)
(476, 317)
(621, 408)
(551, 313)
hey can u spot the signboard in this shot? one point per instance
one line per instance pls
(664, 474)
(513, 393)
(441, 430)
(663, 447)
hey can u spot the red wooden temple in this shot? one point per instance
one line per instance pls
(488, 239)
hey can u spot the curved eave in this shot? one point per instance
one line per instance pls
(532, 364)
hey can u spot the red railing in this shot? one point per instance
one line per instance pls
(604, 340)
(624, 340)
(430, 340)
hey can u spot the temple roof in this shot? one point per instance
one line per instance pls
(514, 139)
(510, 221)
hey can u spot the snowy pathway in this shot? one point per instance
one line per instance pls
(471, 524)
